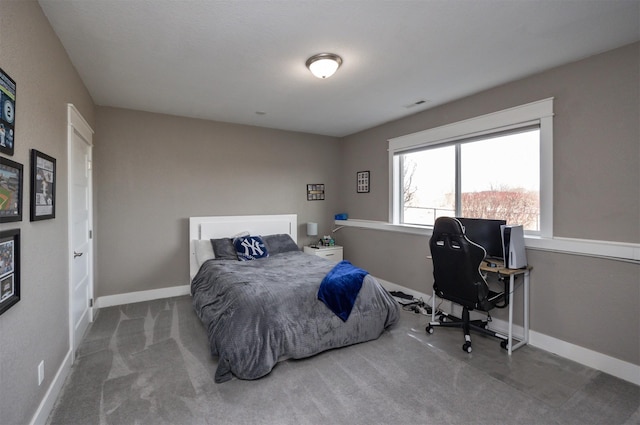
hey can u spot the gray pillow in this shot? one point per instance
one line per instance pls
(223, 249)
(279, 243)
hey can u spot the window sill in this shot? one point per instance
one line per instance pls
(619, 251)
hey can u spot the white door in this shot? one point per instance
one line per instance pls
(80, 227)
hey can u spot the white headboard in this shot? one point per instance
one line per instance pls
(228, 226)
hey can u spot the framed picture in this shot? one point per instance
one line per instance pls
(10, 191)
(43, 186)
(7, 113)
(9, 269)
(362, 182)
(315, 192)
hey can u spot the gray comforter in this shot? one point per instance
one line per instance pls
(263, 311)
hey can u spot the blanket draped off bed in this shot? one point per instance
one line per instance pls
(260, 312)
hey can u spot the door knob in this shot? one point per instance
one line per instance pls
(77, 254)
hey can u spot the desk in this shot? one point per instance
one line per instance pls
(500, 270)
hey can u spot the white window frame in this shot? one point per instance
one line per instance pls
(535, 113)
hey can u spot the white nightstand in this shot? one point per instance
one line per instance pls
(333, 253)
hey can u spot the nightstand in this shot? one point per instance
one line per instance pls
(333, 253)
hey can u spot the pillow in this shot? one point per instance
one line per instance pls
(223, 249)
(203, 250)
(279, 243)
(250, 248)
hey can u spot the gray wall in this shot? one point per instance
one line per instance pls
(155, 171)
(589, 302)
(152, 171)
(37, 327)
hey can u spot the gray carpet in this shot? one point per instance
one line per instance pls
(149, 363)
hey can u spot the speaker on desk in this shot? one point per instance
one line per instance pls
(515, 256)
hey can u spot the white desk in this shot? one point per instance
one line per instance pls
(500, 270)
(512, 273)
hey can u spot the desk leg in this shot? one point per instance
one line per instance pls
(510, 336)
(526, 307)
(525, 337)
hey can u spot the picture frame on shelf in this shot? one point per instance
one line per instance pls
(7, 113)
(10, 191)
(9, 269)
(362, 181)
(43, 186)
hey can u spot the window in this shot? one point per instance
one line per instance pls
(498, 177)
(495, 166)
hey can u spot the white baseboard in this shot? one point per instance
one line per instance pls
(390, 286)
(139, 296)
(47, 403)
(616, 367)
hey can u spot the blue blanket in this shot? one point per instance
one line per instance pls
(340, 287)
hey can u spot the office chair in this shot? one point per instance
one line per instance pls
(457, 278)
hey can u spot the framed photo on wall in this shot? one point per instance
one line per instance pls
(43, 186)
(315, 192)
(10, 191)
(9, 269)
(362, 182)
(7, 113)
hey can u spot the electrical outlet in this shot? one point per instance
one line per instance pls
(41, 372)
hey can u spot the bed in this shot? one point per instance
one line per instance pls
(266, 310)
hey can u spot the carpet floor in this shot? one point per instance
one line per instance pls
(149, 363)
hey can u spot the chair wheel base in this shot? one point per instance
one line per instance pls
(466, 347)
(504, 344)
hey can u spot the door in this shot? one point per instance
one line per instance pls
(80, 227)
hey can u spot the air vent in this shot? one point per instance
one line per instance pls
(419, 102)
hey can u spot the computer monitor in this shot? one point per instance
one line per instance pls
(486, 233)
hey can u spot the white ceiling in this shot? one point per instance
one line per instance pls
(244, 61)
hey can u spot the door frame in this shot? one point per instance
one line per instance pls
(76, 123)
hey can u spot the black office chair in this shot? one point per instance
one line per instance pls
(457, 278)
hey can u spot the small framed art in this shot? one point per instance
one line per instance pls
(315, 192)
(9, 269)
(10, 191)
(362, 182)
(7, 113)
(43, 186)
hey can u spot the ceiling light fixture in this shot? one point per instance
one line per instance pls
(324, 65)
